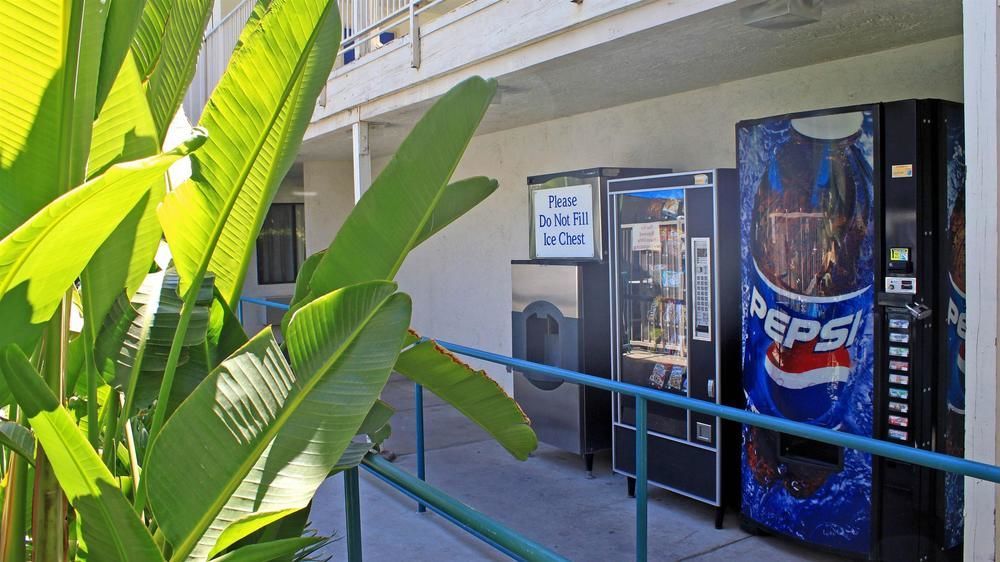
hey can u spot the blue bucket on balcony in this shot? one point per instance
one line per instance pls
(349, 55)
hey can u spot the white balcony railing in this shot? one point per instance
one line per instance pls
(368, 25)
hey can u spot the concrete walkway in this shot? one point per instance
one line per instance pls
(547, 498)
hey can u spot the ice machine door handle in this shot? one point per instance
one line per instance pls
(918, 310)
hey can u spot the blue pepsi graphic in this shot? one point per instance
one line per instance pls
(807, 235)
(954, 360)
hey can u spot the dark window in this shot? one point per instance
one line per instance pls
(281, 246)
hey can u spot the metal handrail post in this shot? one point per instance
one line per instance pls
(418, 399)
(641, 505)
(352, 510)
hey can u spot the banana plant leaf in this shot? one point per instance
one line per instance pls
(47, 100)
(471, 392)
(133, 346)
(19, 439)
(40, 260)
(372, 433)
(210, 467)
(396, 212)
(457, 199)
(285, 56)
(123, 18)
(162, 44)
(268, 551)
(111, 529)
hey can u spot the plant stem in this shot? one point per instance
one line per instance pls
(13, 524)
(48, 523)
(111, 437)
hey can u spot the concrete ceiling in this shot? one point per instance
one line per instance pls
(709, 48)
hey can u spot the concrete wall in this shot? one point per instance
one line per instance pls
(460, 280)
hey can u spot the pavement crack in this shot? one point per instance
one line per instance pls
(713, 549)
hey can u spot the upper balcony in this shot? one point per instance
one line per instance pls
(370, 28)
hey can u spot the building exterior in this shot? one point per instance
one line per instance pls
(631, 83)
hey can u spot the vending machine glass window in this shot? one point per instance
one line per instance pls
(654, 300)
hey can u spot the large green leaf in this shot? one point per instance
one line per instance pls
(471, 392)
(256, 438)
(268, 551)
(40, 260)
(123, 18)
(394, 214)
(50, 53)
(134, 343)
(165, 48)
(458, 198)
(111, 529)
(284, 60)
(371, 434)
(19, 439)
(124, 131)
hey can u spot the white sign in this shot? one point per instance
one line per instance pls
(563, 222)
(646, 237)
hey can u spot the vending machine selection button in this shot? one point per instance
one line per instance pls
(899, 379)
(899, 337)
(897, 351)
(901, 407)
(898, 434)
(899, 323)
(900, 421)
(899, 393)
(899, 366)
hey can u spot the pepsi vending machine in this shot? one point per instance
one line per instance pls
(853, 270)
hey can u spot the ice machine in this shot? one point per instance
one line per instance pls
(560, 308)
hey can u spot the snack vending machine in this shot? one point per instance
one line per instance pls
(560, 308)
(852, 231)
(675, 303)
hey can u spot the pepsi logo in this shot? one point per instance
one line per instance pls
(802, 367)
(788, 331)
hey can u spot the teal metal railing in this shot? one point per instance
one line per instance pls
(519, 547)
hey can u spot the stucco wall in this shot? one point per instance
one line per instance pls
(460, 280)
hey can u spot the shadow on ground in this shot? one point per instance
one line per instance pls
(548, 498)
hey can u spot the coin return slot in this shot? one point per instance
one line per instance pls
(703, 432)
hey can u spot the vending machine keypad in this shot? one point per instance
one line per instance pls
(898, 352)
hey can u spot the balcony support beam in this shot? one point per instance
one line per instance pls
(414, 36)
(982, 131)
(361, 158)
